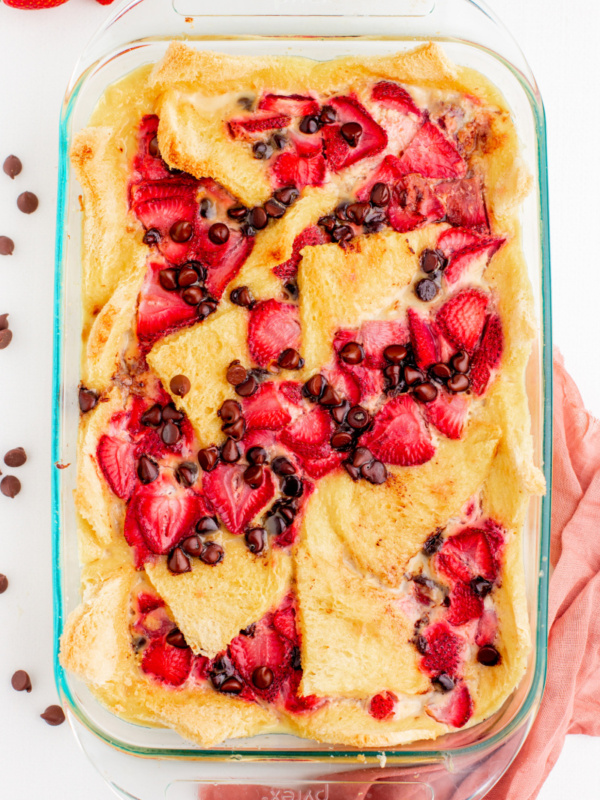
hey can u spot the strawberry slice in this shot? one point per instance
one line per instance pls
(116, 457)
(465, 605)
(338, 152)
(472, 259)
(266, 648)
(465, 203)
(169, 664)
(488, 354)
(309, 434)
(413, 204)
(377, 335)
(462, 318)
(431, 155)
(149, 602)
(302, 165)
(467, 555)
(422, 339)
(284, 620)
(399, 434)
(319, 467)
(236, 503)
(392, 95)
(456, 710)
(148, 163)
(222, 261)
(134, 538)
(147, 191)
(273, 327)
(160, 312)
(453, 240)
(161, 214)
(444, 650)
(382, 705)
(448, 413)
(309, 237)
(266, 408)
(369, 381)
(487, 628)
(245, 127)
(292, 392)
(387, 172)
(345, 383)
(294, 105)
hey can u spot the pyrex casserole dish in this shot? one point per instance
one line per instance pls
(127, 41)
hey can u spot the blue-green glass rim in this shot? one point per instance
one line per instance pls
(527, 711)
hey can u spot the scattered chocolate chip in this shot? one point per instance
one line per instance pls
(147, 469)
(231, 686)
(351, 470)
(279, 140)
(339, 413)
(488, 655)
(27, 202)
(287, 195)
(206, 308)
(352, 353)
(290, 359)
(426, 290)
(375, 472)
(218, 233)
(256, 539)
(171, 414)
(292, 289)
(380, 195)
(242, 296)
(236, 373)
(256, 455)
(153, 148)
(176, 639)
(207, 208)
(328, 223)
(247, 103)
(235, 429)
(21, 681)
(481, 586)
(168, 279)
(444, 682)
(249, 631)
(186, 473)
(274, 208)
(341, 440)
(193, 295)
(413, 375)
(187, 277)
(207, 525)
(328, 115)
(254, 476)
(357, 212)
(12, 166)
(3, 322)
(315, 386)
(285, 510)
(395, 353)
(283, 466)
(230, 452)
(212, 554)
(237, 212)
(170, 433)
(262, 150)
(329, 397)
(310, 124)
(458, 383)
(180, 385)
(420, 643)
(10, 486)
(230, 411)
(275, 525)
(351, 131)
(262, 677)
(152, 236)
(425, 392)
(258, 218)
(433, 543)
(3, 583)
(247, 387)
(151, 418)
(181, 231)
(393, 375)
(441, 371)
(5, 338)
(461, 362)
(342, 234)
(7, 246)
(431, 260)
(53, 715)
(361, 456)
(178, 562)
(358, 418)
(208, 457)
(192, 545)
(292, 486)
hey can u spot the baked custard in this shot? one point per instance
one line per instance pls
(304, 457)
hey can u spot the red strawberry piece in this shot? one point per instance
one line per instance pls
(488, 354)
(413, 204)
(116, 457)
(309, 237)
(377, 335)
(456, 710)
(309, 434)
(344, 382)
(465, 203)
(302, 165)
(146, 191)
(473, 259)
(444, 650)
(242, 127)
(200, 667)
(465, 605)
(295, 702)
(148, 164)
(382, 705)
(273, 327)
(266, 648)
(165, 512)
(448, 413)
(149, 602)
(399, 434)
(387, 172)
(169, 664)
(445, 348)
(160, 312)
(259, 437)
(422, 340)
(284, 619)
(431, 155)
(338, 152)
(222, 261)
(453, 240)
(487, 628)
(233, 499)
(368, 380)
(154, 624)
(462, 318)
(467, 555)
(319, 467)
(292, 391)
(33, 4)
(134, 538)
(294, 105)
(266, 408)
(392, 95)
(161, 214)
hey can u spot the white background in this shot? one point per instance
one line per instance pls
(38, 50)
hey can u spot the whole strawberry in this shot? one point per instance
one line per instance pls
(31, 4)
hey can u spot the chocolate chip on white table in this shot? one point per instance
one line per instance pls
(20, 681)
(27, 202)
(7, 246)
(10, 486)
(53, 715)
(12, 166)
(5, 338)
(15, 457)
(3, 583)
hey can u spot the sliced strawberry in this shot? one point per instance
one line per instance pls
(431, 155)
(444, 650)
(465, 605)
(309, 237)
(294, 105)
(399, 434)
(387, 172)
(160, 312)
(284, 620)
(309, 434)
(222, 261)
(456, 710)
(392, 95)
(369, 381)
(467, 555)
(462, 318)
(266, 408)
(377, 335)
(345, 383)
(302, 165)
(472, 259)
(292, 391)
(233, 499)
(134, 538)
(338, 152)
(294, 701)
(154, 624)
(169, 664)
(273, 327)
(413, 204)
(448, 413)
(244, 127)
(382, 705)
(487, 628)
(465, 203)
(453, 240)
(147, 191)
(319, 467)
(149, 602)
(422, 339)
(116, 457)
(488, 354)
(146, 165)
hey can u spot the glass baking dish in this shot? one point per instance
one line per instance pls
(463, 764)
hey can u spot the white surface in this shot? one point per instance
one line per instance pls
(37, 52)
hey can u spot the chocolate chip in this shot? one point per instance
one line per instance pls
(425, 392)
(230, 452)
(212, 554)
(395, 353)
(193, 295)
(53, 715)
(237, 212)
(176, 639)
(256, 539)
(287, 195)
(152, 236)
(330, 397)
(230, 411)
(207, 525)
(413, 375)
(231, 686)
(458, 383)
(262, 677)
(357, 212)
(187, 277)
(283, 466)
(27, 202)
(351, 470)
(236, 373)
(87, 400)
(262, 150)
(12, 166)
(328, 223)
(180, 385)
(285, 509)
(393, 374)
(192, 545)
(426, 290)
(328, 115)
(380, 195)
(207, 208)
(147, 470)
(461, 362)
(178, 562)
(444, 682)
(290, 359)
(315, 386)
(3, 322)
(352, 353)
(256, 455)
(275, 525)
(254, 476)
(153, 148)
(3, 583)
(170, 433)
(7, 246)
(431, 260)
(218, 233)
(151, 418)
(21, 681)
(5, 338)
(186, 473)
(351, 131)
(10, 486)
(274, 208)
(235, 429)
(310, 124)
(420, 643)
(242, 296)
(339, 413)
(481, 586)
(433, 543)
(361, 456)
(292, 486)
(208, 457)
(375, 472)
(488, 655)
(258, 218)
(181, 231)
(441, 371)
(168, 279)
(206, 308)
(342, 234)
(247, 387)
(341, 440)
(358, 418)
(171, 414)
(247, 103)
